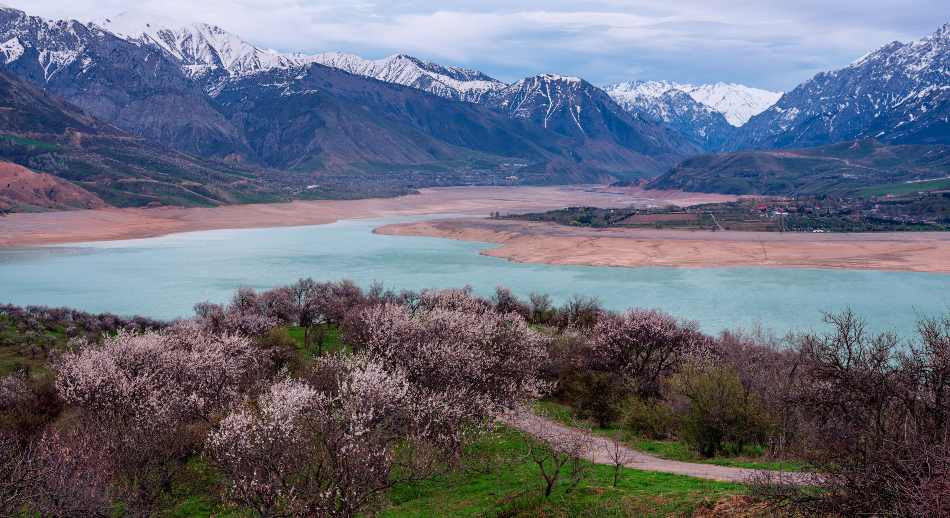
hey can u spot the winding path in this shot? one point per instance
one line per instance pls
(599, 450)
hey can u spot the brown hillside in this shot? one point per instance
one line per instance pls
(22, 189)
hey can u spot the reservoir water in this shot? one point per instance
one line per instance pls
(164, 277)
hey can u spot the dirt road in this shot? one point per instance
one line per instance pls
(599, 451)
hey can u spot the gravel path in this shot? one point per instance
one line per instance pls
(600, 451)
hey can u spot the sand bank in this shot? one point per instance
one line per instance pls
(556, 244)
(22, 229)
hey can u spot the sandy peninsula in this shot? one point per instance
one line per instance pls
(532, 242)
(24, 229)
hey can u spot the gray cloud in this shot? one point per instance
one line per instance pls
(772, 44)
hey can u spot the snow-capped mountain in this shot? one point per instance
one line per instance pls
(211, 54)
(899, 93)
(457, 83)
(205, 52)
(738, 103)
(572, 107)
(134, 87)
(52, 45)
(663, 101)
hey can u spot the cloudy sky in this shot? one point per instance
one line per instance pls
(765, 43)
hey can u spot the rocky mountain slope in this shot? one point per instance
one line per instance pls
(576, 109)
(130, 86)
(661, 102)
(899, 93)
(49, 136)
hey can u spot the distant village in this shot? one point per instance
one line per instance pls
(818, 214)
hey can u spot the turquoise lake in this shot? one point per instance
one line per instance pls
(164, 277)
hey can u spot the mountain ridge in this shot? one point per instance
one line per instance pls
(899, 93)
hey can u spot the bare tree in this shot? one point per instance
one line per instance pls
(618, 454)
(555, 451)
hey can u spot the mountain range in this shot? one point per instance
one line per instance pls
(899, 93)
(335, 124)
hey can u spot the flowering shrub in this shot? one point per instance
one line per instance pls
(480, 358)
(155, 378)
(308, 452)
(644, 347)
(263, 448)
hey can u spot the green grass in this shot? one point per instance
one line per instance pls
(332, 339)
(905, 188)
(670, 449)
(497, 479)
(196, 493)
(500, 480)
(15, 348)
(23, 141)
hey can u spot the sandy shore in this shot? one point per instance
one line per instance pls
(23, 229)
(556, 244)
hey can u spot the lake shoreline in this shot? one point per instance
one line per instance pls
(548, 243)
(110, 224)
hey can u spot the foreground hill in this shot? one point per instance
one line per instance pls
(847, 167)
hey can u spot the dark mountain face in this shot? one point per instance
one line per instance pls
(132, 87)
(27, 109)
(841, 168)
(899, 94)
(317, 117)
(574, 108)
(48, 135)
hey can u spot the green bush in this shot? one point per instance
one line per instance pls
(650, 418)
(597, 396)
(718, 414)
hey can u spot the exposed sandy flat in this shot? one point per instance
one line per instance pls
(556, 244)
(21, 229)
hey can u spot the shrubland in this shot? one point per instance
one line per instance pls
(324, 399)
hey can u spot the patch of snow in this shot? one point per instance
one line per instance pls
(11, 49)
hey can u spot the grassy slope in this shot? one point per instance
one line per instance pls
(842, 168)
(498, 480)
(906, 188)
(508, 485)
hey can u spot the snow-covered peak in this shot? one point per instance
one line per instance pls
(200, 48)
(203, 49)
(452, 82)
(737, 103)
